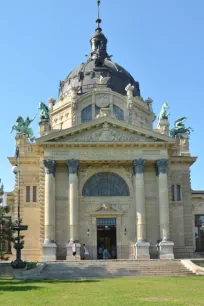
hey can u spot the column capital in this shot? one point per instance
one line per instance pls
(162, 166)
(138, 165)
(73, 166)
(50, 166)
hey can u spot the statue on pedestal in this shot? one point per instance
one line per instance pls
(44, 111)
(22, 127)
(129, 89)
(163, 113)
(179, 128)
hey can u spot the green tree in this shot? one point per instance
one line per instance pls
(6, 233)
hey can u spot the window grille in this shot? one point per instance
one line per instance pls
(34, 193)
(105, 184)
(172, 193)
(106, 221)
(27, 194)
(118, 112)
(178, 192)
(86, 114)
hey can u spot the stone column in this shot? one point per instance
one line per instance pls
(141, 246)
(166, 245)
(73, 166)
(49, 245)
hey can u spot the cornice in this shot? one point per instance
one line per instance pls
(190, 160)
(114, 122)
(25, 160)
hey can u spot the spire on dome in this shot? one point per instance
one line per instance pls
(98, 42)
(98, 20)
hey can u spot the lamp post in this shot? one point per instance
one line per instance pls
(18, 263)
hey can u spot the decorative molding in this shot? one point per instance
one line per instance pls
(60, 198)
(106, 133)
(50, 166)
(73, 166)
(138, 166)
(162, 166)
(102, 100)
(106, 210)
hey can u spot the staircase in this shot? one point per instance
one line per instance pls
(114, 268)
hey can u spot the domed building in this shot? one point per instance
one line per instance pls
(100, 175)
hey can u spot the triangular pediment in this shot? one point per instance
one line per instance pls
(106, 210)
(104, 130)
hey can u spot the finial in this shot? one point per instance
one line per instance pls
(98, 20)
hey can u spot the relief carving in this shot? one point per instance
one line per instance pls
(102, 100)
(107, 133)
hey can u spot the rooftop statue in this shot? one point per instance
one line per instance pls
(44, 111)
(102, 80)
(179, 128)
(163, 113)
(22, 127)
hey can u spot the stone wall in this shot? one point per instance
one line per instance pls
(181, 212)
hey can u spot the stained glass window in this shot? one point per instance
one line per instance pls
(105, 184)
(118, 112)
(86, 114)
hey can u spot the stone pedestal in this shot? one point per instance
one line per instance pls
(44, 127)
(49, 251)
(163, 127)
(142, 250)
(69, 251)
(166, 250)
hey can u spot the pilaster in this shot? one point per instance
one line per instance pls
(166, 245)
(49, 245)
(141, 246)
(73, 166)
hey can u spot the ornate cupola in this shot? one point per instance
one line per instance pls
(99, 64)
(99, 43)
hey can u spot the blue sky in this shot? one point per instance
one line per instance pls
(159, 42)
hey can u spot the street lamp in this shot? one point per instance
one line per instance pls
(18, 263)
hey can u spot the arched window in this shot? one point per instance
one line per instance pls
(97, 110)
(118, 112)
(105, 184)
(86, 114)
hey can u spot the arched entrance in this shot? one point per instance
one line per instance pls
(107, 217)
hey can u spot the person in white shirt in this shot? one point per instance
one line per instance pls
(74, 249)
(85, 253)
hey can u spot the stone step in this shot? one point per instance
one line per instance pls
(110, 269)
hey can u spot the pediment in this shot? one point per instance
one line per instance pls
(104, 130)
(106, 210)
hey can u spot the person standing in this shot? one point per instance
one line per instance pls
(100, 252)
(85, 252)
(74, 249)
(106, 254)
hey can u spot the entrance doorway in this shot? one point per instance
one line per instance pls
(106, 237)
(199, 233)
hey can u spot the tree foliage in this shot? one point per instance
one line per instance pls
(6, 234)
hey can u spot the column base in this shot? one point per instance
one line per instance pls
(142, 250)
(166, 250)
(49, 251)
(70, 253)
